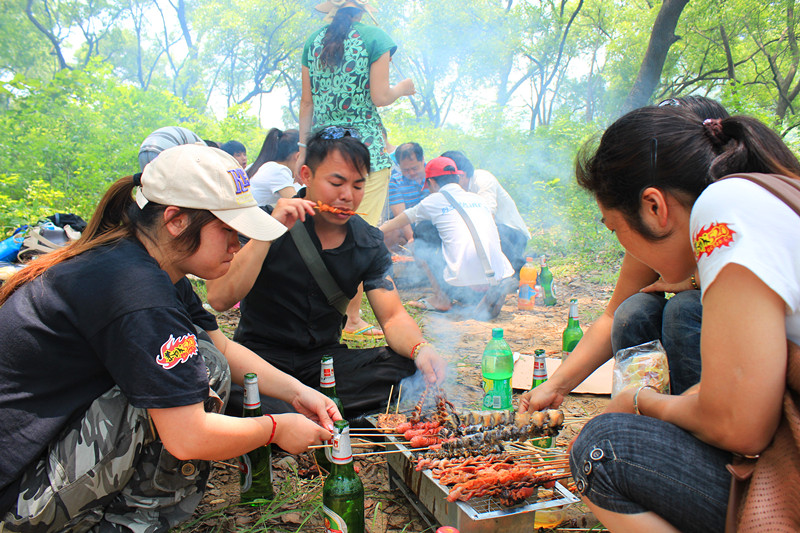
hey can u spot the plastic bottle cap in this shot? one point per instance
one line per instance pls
(497, 333)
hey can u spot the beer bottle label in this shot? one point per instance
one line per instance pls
(326, 376)
(246, 478)
(333, 522)
(341, 453)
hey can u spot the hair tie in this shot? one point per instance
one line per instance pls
(137, 179)
(713, 128)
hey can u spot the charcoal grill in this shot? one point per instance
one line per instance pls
(482, 514)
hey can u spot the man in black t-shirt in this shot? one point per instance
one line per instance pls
(286, 317)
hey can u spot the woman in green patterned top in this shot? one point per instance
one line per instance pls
(345, 80)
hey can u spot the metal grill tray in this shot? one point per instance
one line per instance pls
(480, 514)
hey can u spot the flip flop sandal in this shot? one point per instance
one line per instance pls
(361, 334)
(424, 305)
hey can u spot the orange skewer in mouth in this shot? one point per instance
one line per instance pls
(336, 210)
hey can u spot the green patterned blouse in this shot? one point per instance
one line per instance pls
(341, 95)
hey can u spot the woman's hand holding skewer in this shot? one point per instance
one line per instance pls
(316, 406)
(295, 433)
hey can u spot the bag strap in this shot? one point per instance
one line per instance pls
(487, 267)
(322, 275)
(784, 188)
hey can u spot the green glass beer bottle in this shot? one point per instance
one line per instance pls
(327, 385)
(539, 377)
(343, 493)
(547, 284)
(573, 332)
(255, 478)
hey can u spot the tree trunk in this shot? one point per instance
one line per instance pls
(661, 38)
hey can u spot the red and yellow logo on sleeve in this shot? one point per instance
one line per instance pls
(176, 351)
(717, 235)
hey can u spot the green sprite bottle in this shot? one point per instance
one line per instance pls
(343, 493)
(573, 332)
(327, 385)
(497, 367)
(539, 377)
(255, 479)
(547, 284)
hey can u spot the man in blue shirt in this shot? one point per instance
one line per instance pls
(407, 189)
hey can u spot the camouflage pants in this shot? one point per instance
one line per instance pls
(108, 471)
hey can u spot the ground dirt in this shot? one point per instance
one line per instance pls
(461, 341)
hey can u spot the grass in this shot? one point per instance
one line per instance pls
(293, 495)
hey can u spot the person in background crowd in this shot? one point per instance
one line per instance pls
(638, 313)
(272, 174)
(448, 248)
(237, 150)
(109, 405)
(345, 78)
(286, 316)
(666, 182)
(514, 234)
(164, 138)
(407, 189)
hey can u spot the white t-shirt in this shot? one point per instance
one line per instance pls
(463, 266)
(738, 221)
(268, 180)
(504, 210)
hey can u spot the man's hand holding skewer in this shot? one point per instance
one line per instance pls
(289, 210)
(431, 364)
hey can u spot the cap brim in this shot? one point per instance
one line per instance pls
(252, 222)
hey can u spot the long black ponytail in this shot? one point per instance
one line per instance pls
(333, 42)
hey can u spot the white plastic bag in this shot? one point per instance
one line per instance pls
(645, 364)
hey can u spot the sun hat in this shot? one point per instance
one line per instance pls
(200, 177)
(164, 138)
(331, 6)
(441, 166)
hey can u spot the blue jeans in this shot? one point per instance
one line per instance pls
(645, 317)
(631, 464)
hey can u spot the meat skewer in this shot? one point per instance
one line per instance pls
(336, 210)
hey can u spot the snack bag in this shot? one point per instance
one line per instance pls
(645, 364)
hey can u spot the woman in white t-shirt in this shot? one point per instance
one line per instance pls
(272, 174)
(656, 178)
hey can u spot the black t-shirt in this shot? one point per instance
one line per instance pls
(110, 316)
(287, 309)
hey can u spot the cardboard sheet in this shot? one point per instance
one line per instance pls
(599, 382)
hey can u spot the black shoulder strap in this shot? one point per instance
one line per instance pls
(487, 267)
(313, 261)
(782, 187)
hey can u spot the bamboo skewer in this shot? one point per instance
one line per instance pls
(392, 451)
(356, 445)
(399, 393)
(389, 401)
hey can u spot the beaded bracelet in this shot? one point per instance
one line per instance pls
(694, 283)
(415, 349)
(636, 397)
(274, 425)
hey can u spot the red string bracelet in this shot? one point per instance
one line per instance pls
(415, 349)
(274, 425)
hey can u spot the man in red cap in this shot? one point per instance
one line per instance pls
(456, 238)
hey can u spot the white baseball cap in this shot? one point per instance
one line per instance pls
(201, 177)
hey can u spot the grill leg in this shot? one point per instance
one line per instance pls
(395, 482)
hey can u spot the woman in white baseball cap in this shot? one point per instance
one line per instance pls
(111, 369)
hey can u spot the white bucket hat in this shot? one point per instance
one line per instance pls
(200, 177)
